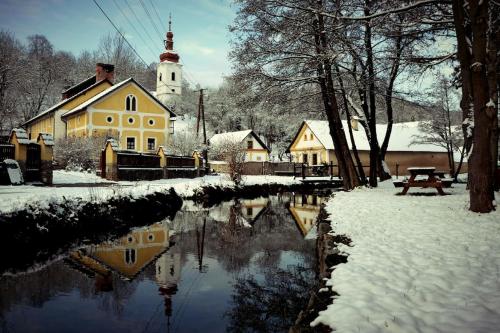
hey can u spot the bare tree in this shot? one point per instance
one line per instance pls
(233, 153)
(183, 143)
(286, 46)
(11, 69)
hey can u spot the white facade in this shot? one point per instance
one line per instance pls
(256, 153)
(168, 81)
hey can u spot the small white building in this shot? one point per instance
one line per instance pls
(255, 149)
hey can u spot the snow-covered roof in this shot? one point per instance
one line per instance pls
(402, 136)
(107, 92)
(235, 137)
(48, 139)
(63, 102)
(113, 143)
(21, 135)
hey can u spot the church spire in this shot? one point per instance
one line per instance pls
(170, 54)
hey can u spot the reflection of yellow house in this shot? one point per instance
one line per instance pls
(129, 254)
(252, 209)
(305, 209)
(246, 213)
(96, 107)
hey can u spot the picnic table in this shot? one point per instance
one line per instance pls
(432, 180)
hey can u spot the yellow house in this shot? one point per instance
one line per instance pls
(305, 210)
(313, 145)
(129, 255)
(125, 111)
(255, 149)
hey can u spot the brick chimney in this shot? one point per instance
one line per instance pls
(104, 71)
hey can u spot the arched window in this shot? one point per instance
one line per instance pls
(173, 76)
(130, 256)
(131, 103)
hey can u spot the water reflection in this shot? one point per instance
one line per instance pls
(239, 266)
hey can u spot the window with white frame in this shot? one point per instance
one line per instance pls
(130, 256)
(131, 143)
(151, 143)
(131, 103)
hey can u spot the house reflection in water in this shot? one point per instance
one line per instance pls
(305, 209)
(131, 254)
(247, 211)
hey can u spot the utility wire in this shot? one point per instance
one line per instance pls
(135, 29)
(140, 22)
(156, 12)
(125, 39)
(150, 18)
(118, 30)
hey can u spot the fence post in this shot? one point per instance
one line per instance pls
(111, 160)
(19, 139)
(46, 142)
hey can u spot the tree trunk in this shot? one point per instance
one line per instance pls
(361, 172)
(375, 160)
(344, 158)
(480, 164)
(463, 34)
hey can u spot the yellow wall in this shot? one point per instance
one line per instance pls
(43, 125)
(116, 101)
(307, 143)
(46, 124)
(100, 119)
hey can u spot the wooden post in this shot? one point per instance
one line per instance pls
(19, 139)
(331, 170)
(303, 171)
(111, 160)
(397, 170)
(46, 142)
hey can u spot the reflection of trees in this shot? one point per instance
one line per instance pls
(36, 288)
(271, 305)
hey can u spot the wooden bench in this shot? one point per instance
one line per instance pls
(431, 181)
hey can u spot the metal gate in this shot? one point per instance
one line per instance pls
(33, 162)
(7, 151)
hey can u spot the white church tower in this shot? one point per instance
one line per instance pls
(169, 71)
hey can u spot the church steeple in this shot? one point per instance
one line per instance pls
(170, 54)
(169, 70)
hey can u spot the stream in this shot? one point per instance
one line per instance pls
(240, 266)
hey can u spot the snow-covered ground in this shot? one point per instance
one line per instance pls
(416, 263)
(16, 197)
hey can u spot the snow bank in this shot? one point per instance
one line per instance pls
(417, 263)
(94, 189)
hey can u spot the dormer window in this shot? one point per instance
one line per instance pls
(131, 103)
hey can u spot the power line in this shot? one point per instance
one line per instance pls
(118, 30)
(125, 39)
(156, 12)
(150, 18)
(140, 22)
(135, 29)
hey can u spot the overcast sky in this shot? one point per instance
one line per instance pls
(200, 28)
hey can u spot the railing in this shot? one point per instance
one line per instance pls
(174, 161)
(137, 160)
(7, 151)
(322, 170)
